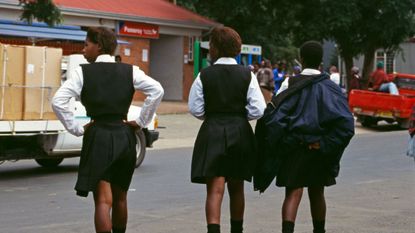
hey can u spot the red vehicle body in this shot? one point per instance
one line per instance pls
(372, 106)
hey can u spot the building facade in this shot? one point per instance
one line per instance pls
(155, 35)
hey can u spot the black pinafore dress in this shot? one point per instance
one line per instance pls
(225, 145)
(109, 145)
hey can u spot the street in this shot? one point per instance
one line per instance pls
(375, 192)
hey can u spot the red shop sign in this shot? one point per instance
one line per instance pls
(138, 30)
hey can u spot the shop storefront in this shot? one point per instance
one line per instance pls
(154, 34)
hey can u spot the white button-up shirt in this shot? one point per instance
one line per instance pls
(256, 103)
(307, 71)
(73, 87)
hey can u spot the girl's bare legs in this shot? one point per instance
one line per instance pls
(290, 207)
(103, 204)
(237, 204)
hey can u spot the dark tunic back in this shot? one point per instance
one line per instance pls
(225, 89)
(225, 143)
(108, 150)
(108, 89)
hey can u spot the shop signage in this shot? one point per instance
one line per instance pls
(245, 48)
(251, 49)
(138, 30)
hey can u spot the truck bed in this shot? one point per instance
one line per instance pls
(380, 104)
(30, 127)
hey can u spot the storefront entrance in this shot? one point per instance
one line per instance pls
(166, 66)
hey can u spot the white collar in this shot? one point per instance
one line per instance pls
(309, 71)
(226, 61)
(105, 58)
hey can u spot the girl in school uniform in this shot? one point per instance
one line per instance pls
(108, 154)
(226, 96)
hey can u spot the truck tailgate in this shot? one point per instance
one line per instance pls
(375, 103)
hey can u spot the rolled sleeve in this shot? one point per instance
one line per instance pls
(154, 92)
(196, 100)
(61, 103)
(256, 102)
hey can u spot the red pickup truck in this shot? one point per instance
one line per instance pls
(372, 106)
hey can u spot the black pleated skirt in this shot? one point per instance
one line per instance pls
(301, 167)
(225, 147)
(109, 154)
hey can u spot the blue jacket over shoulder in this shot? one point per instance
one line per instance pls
(313, 109)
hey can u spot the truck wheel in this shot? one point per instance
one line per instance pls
(368, 121)
(403, 123)
(49, 163)
(140, 148)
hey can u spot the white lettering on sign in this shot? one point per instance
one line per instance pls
(133, 30)
(245, 49)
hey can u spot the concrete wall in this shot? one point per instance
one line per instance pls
(188, 71)
(166, 65)
(405, 59)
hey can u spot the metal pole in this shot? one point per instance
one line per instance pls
(196, 58)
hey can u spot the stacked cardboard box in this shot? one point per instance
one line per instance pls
(29, 77)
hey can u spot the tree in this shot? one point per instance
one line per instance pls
(385, 26)
(42, 10)
(256, 21)
(357, 27)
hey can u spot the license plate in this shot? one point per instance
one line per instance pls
(385, 114)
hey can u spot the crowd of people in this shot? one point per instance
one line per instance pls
(274, 78)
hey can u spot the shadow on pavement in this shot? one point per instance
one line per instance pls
(382, 127)
(8, 173)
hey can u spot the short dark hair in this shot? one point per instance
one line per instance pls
(224, 42)
(311, 53)
(104, 37)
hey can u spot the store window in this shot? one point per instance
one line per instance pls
(388, 58)
(191, 47)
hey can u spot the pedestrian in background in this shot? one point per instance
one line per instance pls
(301, 138)
(256, 67)
(411, 143)
(280, 76)
(381, 82)
(334, 75)
(265, 78)
(285, 83)
(355, 79)
(108, 155)
(226, 96)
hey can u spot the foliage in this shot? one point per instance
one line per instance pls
(362, 27)
(42, 10)
(357, 27)
(256, 22)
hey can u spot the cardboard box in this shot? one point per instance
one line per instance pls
(11, 82)
(52, 80)
(42, 79)
(29, 77)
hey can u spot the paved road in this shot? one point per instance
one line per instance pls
(180, 130)
(375, 191)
